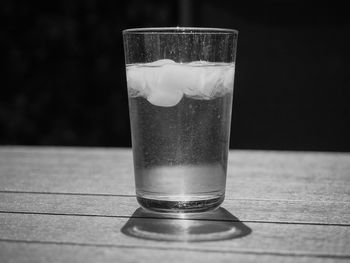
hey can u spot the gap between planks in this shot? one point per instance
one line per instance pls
(261, 211)
(177, 218)
(124, 195)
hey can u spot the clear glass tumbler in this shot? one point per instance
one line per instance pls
(180, 86)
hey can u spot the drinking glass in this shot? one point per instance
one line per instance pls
(180, 86)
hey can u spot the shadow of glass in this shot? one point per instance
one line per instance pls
(210, 226)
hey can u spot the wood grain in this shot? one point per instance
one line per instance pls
(289, 239)
(245, 210)
(71, 204)
(45, 252)
(251, 174)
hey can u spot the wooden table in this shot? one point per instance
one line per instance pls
(78, 205)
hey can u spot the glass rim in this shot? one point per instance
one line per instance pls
(179, 30)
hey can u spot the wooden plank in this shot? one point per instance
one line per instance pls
(280, 239)
(245, 210)
(41, 252)
(251, 174)
(315, 191)
(66, 170)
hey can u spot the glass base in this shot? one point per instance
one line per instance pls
(195, 206)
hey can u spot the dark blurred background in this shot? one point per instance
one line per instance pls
(63, 77)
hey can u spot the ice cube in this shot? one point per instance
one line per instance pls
(167, 92)
(191, 80)
(164, 82)
(161, 62)
(165, 97)
(135, 81)
(210, 79)
(229, 76)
